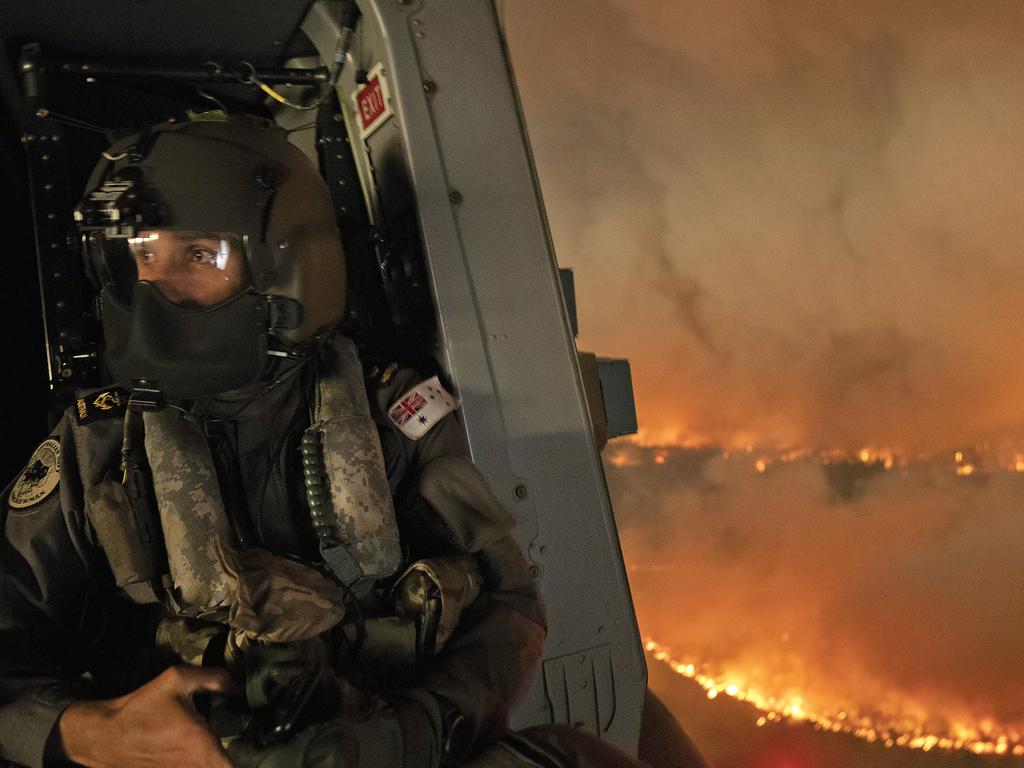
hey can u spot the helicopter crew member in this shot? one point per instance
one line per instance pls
(246, 540)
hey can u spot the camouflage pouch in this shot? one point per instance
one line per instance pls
(135, 552)
(277, 600)
(191, 640)
(435, 593)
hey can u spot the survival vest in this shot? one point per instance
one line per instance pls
(179, 553)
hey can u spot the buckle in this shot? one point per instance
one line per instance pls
(146, 395)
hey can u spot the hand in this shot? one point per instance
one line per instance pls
(156, 726)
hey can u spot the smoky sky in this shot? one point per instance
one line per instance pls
(800, 221)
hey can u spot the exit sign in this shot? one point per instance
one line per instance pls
(372, 102)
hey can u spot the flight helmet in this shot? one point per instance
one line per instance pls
(215, 248)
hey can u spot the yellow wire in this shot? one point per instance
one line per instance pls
(271, 92)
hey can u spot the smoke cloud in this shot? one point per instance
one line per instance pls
(800, 221)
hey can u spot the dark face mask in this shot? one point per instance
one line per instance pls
(185, 353)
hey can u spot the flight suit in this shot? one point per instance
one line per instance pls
(61, 614)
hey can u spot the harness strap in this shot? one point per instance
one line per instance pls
(192, 512)
(346, 482)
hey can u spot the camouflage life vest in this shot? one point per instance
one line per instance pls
(185, 557)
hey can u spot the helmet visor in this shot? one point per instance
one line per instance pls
(190, 268)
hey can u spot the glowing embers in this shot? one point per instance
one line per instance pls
(623, 458)
(891, 729)
(963, 467)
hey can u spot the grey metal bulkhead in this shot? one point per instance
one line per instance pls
(457, 137)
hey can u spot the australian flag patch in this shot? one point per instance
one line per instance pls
(418, 410)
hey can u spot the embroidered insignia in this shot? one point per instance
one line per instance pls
(418, 410)
(388, 374)
(39, 478)
(100, 404)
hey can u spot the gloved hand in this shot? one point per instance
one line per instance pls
(404, 732)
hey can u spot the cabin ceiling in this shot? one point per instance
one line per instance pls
(158, 31)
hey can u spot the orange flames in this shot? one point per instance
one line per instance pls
(630, 453)
(894, 729)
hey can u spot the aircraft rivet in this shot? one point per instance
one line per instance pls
(454, 196)
(521, 491)
(429, 86)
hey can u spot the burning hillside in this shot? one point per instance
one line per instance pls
(869, 594)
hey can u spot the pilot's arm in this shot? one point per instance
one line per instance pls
(487, 664)
(52, 577)
(45, 561)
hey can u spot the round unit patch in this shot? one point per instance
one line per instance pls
(39, 478)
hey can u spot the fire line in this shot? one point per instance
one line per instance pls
(907, 732)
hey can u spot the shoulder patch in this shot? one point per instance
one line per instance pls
(418, 410)
(40, 477)
(101, 404)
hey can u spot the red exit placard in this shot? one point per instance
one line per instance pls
(372, 102)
